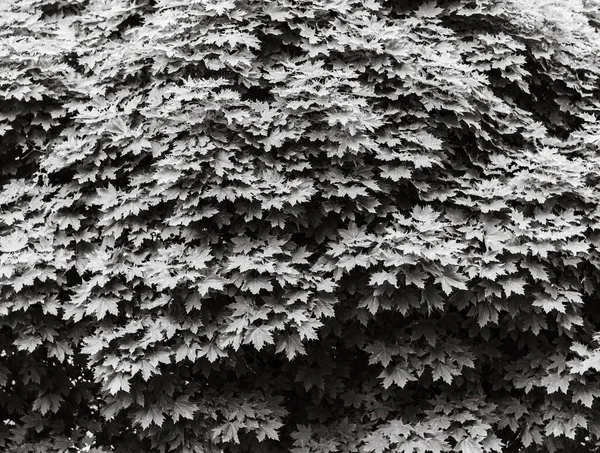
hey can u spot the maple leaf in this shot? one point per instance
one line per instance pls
(211, 351)
(415, 277)
(222, 163)
(531, 435)
(145, 367)
(193, 301)
(118, 383)
(585, 396)
(108, 197)
(425, 214)
(556, 381)
(228, 431)
(28, 343)
(157, 357)
(468, 445)
(487, 313)
(183, 408)
(444, 372)
(548, 303)
(380, 353)
(94, 345)
(302, 435)
(47, 403)
(148, 416)
(433, 298)
(258, 336)
(221, 6)
(291, 344)
(13, 242)
(100, 306)
(450, 279)
(397, 429)
(60, 350)
(378, 278)
(376, 443)
(257, 284)
(269, 430)
(427, 330)
(537, 271)
(199, 257)
(492, 443)
(371, 303)
(349, 262)
(185, 350)
(307, 329)
(395, 375)
(396, 173)
(324, 307)
(513, 286)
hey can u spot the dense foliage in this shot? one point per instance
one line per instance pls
(299, 225)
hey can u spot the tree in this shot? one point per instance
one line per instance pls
(293, 225)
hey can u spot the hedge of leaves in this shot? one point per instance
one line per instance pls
(306, 226)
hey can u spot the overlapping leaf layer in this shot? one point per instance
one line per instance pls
(299, 225)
